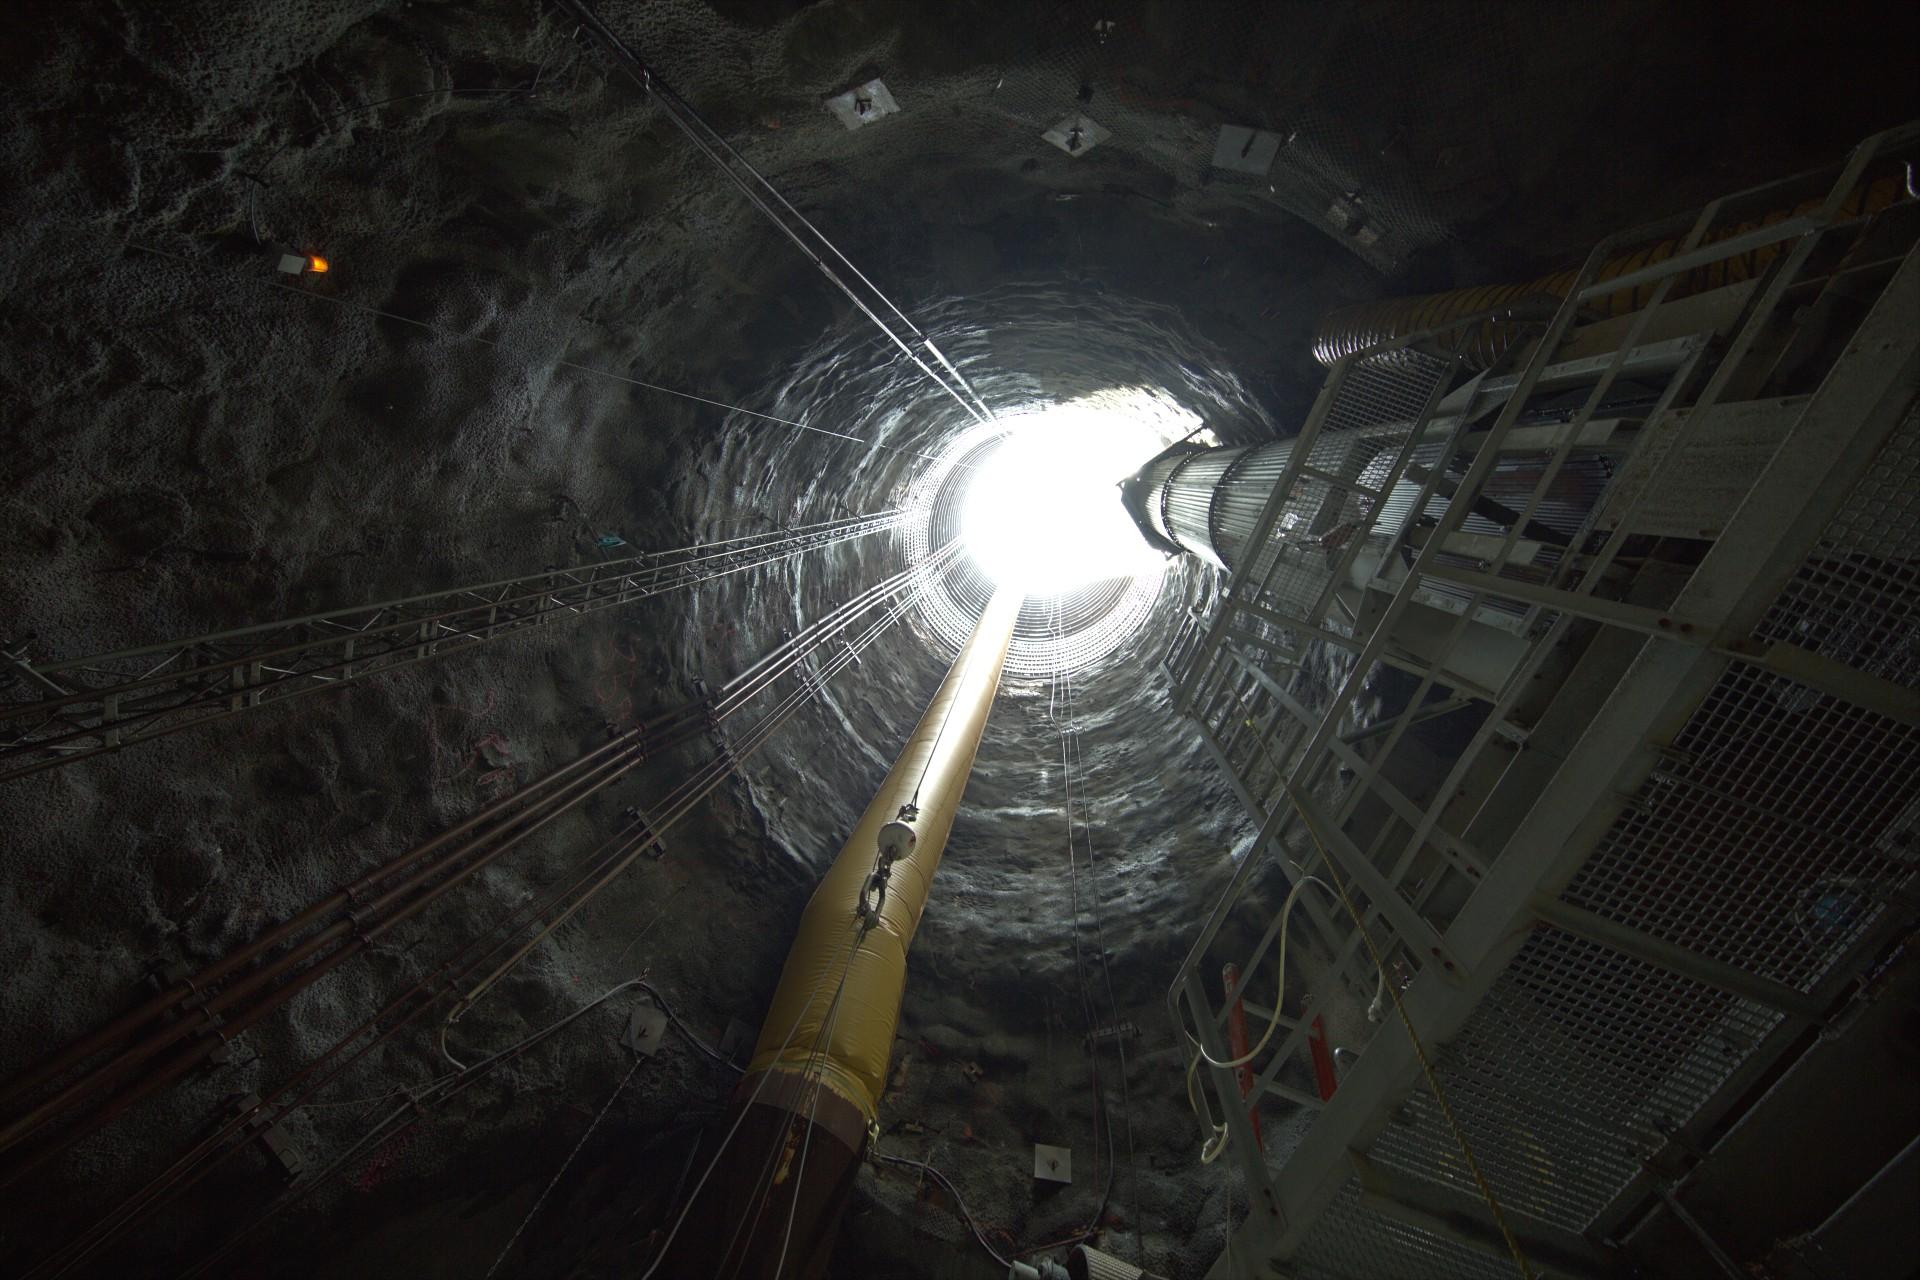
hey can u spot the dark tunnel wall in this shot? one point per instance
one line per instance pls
(196, 442)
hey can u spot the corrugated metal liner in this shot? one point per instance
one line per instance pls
(1190, 499)
(1243, 495)
(1156, 480)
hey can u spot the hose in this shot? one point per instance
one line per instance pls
(1215, 1145)
(1347, 330)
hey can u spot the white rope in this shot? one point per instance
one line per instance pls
(564, 1166)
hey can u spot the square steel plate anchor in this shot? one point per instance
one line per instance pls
(861, 106)
(1077, 134)
(646, 1027)
(1052, 1164)
(1245, 150)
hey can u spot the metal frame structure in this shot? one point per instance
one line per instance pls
(102, 703)
(1681, 823)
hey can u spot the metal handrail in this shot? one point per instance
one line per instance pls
(1202, 679)
(144, 692)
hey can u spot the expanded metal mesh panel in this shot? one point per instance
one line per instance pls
(1857, 597)
(1291, 568)
(1352, 1242)
(1375, 394)
(1565, 1074)
(1767, 835)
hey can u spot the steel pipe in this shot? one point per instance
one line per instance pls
(811, 1095)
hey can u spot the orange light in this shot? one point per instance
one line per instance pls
(317, 264)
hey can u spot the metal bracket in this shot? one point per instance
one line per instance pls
(1052, 1164)
(270, 1136)
(646, 1028)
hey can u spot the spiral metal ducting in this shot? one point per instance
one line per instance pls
(1345, 331)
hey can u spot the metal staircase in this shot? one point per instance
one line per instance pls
(1657, 577)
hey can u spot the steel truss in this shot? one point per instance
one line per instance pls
(100, 704)
(1681, 825)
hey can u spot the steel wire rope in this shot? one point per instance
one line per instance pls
(564, 1166)
(1089, 1010)
(1060, 695)
(794, 700)
(874, 631)
(153, 1008)
(1106, 967)
(189, 1168)
(193, 1155)
(354, 935)
(774, 546)
(569, 794)
(705, 138)
(877, 629)
(906, 320)
(437, 1090)
(747, 1106)
(762, 1187)
(878, 626)
(763, 1182)
(821, 1041)
(182, 1172)
(813, 1109)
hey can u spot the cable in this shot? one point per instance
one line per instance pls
(762, 1190)
(732, 164)
(206, 1155)
(745, 1107)
(1069, 745)
(437, 1090)
(813, 1113)
(565, 1165)
(1279, 990)
(959, 1202)
(1419, 1050)
(673, 1020)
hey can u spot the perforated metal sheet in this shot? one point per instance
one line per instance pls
(1566, 1074)
(1857, 597)
(1767, 833)
(1376, 394)
(1351, 1242)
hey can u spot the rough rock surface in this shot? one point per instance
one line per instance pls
(194, 442)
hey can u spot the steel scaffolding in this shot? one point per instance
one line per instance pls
(1681, 823)
(99, 704)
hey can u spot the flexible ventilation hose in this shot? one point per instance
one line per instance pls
(1350, 329)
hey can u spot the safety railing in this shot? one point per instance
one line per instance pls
(1540, 881)
(81, 707)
